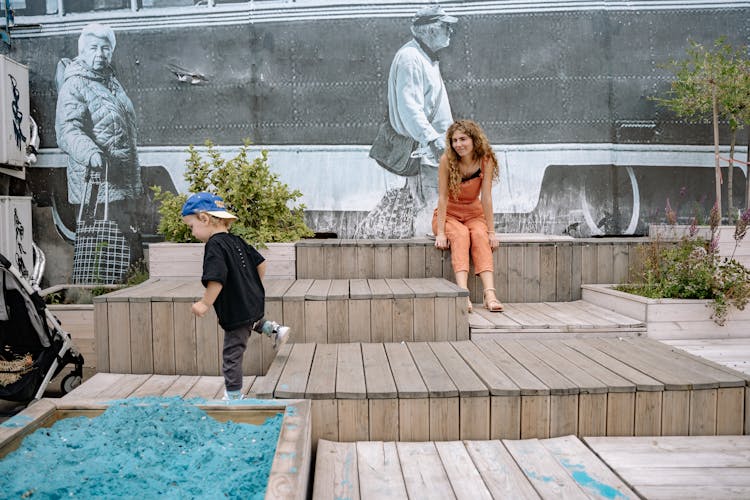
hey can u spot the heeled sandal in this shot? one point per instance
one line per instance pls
(493, 305)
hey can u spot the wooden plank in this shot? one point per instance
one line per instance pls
(379, 380)
(206, 388)
(620, 414)
(336, 474)
(348, 256)
(403, 310)
(564, 272)
(381, 310)
(437, 381)
(293, 380)
(417, 261)
(181, 386)
(101, 327)
(264, 386)
(589, 472)
(316, 322)
(515, 274)
(365, 259)
(155, 386)
(97, 384)
(501, 273)
(406, 376)
(337, 310)
(207, 344)
(322, 381)
(359, 311)
(124, 387)
(463, 476)
(380, 471)
(141, 336)
(350, 374)
(641, 381)
(382, 261)
(118, 326)
(547, 272)
(294, 309)
(524, 378)
(544, 472)
(496, 381)
(162, 322)
(604, 263)
(531, 273)
(424, 475)
(499, 471)
(185, 347)
(353, 419)
(384, 419)
(399, 260)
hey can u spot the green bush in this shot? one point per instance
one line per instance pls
(693, 269)
(265, 206)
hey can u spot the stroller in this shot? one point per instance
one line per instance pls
(33, 346)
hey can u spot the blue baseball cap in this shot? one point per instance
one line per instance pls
(206, 202)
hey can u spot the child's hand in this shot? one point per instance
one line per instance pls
(199, 308)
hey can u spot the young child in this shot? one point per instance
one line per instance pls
(232, 274)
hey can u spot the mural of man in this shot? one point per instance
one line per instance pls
(96, 127)
(418, 108)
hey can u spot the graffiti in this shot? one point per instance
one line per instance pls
(20, 250)
(17, 114)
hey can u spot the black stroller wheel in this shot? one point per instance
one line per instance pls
(70, 382)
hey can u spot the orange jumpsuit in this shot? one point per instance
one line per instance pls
(466, 227)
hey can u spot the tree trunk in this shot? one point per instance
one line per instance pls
(730, 177)
(716, 149)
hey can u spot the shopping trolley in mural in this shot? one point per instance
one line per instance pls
(101, 254)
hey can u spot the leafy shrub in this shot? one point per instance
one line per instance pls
(265, 206)
(693, 269)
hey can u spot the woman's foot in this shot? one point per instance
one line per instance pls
(490, 301)
(469, 305)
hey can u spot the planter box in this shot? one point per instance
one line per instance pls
(185, 260)
(670, 318)
(726, 239)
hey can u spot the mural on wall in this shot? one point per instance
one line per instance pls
(96, 127)
(412, 139)
(582, 145)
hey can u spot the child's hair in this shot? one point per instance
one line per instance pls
(215, 221)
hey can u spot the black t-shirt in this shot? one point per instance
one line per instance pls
(233, 263)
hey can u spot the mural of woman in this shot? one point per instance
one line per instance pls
(418, 108)
(95, 125)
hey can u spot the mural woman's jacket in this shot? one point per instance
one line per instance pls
(95, 115)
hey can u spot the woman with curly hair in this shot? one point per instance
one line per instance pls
(463, 220)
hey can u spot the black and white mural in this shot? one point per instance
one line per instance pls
(564, 91)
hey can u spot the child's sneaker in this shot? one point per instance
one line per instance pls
(232, 395)
(280, 335)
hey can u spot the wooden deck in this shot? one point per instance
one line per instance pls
(732, 353)
(528, 267)
(551, 319)
(507, 389)
(565, 467)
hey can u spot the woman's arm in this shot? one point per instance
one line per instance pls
(441, 240)
(489, 216)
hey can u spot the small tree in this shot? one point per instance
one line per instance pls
(713, 84)
(264, 205)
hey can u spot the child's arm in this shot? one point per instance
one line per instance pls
(262, 269)
(201, 307)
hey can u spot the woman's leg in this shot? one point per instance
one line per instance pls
(459, 239)
(490, 298)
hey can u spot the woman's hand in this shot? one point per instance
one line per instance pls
(494, 241)
(441, 242)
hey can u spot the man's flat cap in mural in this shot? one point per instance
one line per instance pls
(208, 203)
(431, 14)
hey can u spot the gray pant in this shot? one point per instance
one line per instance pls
(235, 343)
